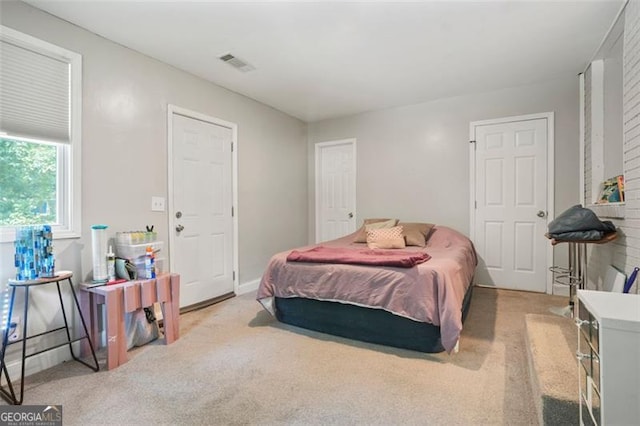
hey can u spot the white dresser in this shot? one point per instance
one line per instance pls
(609, 358)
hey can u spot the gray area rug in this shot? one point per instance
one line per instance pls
(235, 364)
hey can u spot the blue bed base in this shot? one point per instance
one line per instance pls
(363, 324)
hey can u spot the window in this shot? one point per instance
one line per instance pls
(40, 126)
(28, 178)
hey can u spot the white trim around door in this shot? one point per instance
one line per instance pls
(171, 110)
(549, 116)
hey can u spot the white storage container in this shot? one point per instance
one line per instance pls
(133, 252)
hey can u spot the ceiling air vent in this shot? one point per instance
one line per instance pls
(237, 63)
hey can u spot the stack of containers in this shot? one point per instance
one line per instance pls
(133, 247)
(34, 252)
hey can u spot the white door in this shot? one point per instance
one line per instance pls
(335, 189)
(511, 202)
(202, 222)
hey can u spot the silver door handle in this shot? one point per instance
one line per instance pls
(179, 228)
(541, 213)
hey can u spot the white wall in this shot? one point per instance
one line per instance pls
(613, 76)
(624, 252)
(413, 161)
(124, 152)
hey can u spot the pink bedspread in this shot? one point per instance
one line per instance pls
(430, 292)
(364, 256)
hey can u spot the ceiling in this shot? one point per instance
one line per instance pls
(319, 60)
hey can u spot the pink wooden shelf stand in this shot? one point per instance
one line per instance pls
(119, 299)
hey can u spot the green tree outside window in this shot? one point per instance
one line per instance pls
(28, 183)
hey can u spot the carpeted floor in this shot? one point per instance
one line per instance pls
(235, 364)
(551, 346)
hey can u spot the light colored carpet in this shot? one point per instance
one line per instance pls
(552, 342)
(235, 364)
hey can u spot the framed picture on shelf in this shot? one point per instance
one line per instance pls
(612, 190)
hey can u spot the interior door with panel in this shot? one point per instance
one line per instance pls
(202, 240)
(335, 189)
(510, 207)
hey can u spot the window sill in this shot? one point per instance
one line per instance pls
(609, 210)
(8, 235)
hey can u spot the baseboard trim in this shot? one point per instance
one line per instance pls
(557, 289)
(248, 287)
(38, 362)
(206, 303)
(560, 290)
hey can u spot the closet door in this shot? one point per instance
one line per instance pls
(335, 189)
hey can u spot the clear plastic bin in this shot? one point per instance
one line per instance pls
(136, 237)
(159, 265)
(133, 252)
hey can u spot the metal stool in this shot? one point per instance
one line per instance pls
(575, 275)
(10, 394)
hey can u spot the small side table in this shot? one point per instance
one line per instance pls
(26, 286)
(118, 299)
(575, 275)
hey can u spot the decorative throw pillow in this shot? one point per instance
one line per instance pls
(361, 236)
(385, 238)
(416, 234)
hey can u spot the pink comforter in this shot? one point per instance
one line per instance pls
(364, 256)
(430, 292)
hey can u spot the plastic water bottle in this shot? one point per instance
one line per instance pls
(111, 265)
(149, 263)
(99, 251)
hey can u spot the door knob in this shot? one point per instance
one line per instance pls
(350, 215)
(179, 228)
(541, 213)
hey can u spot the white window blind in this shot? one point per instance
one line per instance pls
(35, 95)
(41, 102)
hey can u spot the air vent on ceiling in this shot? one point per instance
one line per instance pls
(237, 63)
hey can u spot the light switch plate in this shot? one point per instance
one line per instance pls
(157, 204)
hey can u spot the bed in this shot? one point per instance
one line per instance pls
(421, 307)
